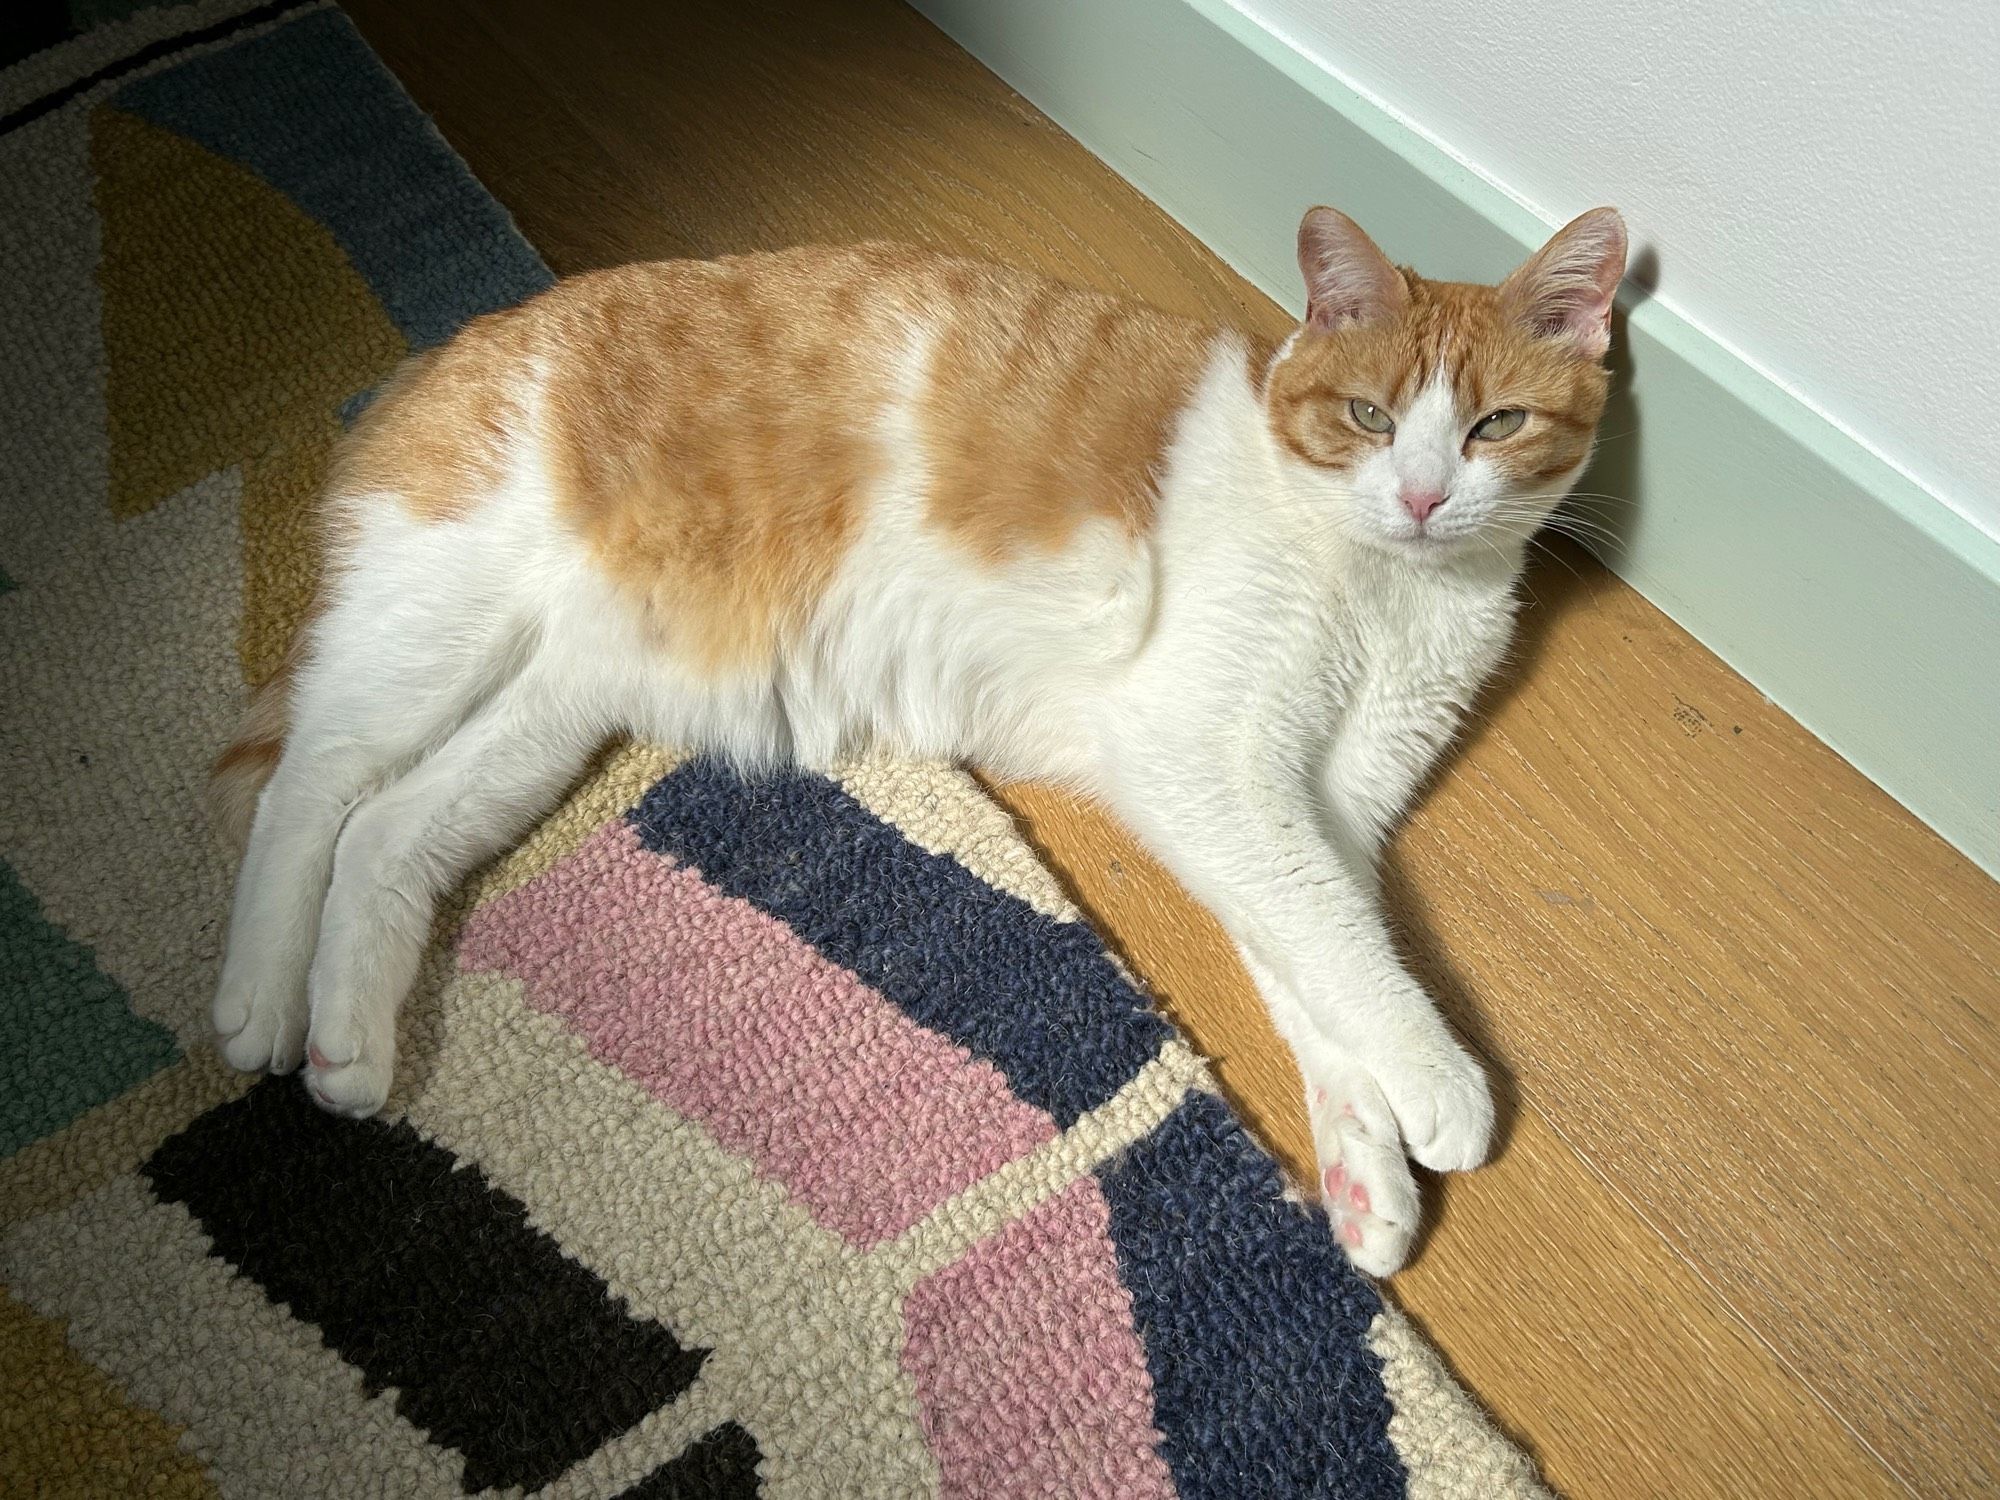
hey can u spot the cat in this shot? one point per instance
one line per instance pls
(782, 506)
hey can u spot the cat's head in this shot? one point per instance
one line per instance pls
(1433, 416)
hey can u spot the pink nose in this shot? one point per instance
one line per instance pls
(1420, 503)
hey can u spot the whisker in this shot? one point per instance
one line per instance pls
(1576, 527)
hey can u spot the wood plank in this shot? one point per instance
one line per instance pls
(571, 200)
(1740, 1241)
(1751, 992)
(770, 124)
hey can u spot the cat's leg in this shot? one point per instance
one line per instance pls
(407, 846)
(357, 715)
(409, 640)
(259, 1011)
(1362, 1171)
(1394, 1078)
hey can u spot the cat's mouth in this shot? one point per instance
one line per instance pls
(1420, 538)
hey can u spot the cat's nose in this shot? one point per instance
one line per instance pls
(1420, 503)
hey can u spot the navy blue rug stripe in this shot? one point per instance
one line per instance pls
(306, 108)
(1254, 1324)
(1036, 997)
(721, 1466)
(426, 1277)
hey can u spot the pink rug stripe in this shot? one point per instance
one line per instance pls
(726, 1017)
(1029, 1373)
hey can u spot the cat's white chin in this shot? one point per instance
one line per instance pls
(1433, 548)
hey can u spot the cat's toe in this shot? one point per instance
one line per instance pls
(348, 1080)
(261, 1030)
(1462, 1134)
(356, 1090)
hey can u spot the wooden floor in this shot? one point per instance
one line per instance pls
(1742, 1237)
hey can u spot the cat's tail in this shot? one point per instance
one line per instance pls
(238, 776)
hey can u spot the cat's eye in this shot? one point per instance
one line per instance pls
(1499, 424)
(1369, 417)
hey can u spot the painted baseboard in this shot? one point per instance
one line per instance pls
(1851, 597)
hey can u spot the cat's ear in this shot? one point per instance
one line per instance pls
(1348, 281)
(1564, 290)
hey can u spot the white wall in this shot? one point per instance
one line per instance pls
(1819, 181)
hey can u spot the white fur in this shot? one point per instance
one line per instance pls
(1257, 687)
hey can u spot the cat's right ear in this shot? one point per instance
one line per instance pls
(1349, 283)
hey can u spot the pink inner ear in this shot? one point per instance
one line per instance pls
(1584, 320)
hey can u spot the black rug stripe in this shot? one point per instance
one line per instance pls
(151, 52)
(721, 1466)
(428, 1278)
(33, 26)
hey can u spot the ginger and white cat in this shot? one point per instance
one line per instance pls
(782, 506)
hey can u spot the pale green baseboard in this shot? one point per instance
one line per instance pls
(1851, 597)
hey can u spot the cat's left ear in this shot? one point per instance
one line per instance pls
(1564, 290)
(1349, 283)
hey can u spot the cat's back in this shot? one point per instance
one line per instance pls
(613, 372)
(1032, 399)
(716, 432)
(752, 370)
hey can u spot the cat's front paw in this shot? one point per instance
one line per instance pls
(1443, 1104)
(1364, 1178)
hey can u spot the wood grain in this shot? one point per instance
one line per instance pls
(1741, 1239)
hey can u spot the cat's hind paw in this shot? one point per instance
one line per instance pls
(354, 1081)
(261, 1026)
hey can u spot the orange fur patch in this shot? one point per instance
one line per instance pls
(1049, 406)
(711, 427)
(435, 437)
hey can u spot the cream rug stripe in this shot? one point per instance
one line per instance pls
(940, 808)
(1449, 1447)
(115, 1138)
(151, 687)
(657, 1438)
(1012, 1190)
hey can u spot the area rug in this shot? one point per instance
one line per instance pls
(789, 1137)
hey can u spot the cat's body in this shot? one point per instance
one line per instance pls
(785, 507)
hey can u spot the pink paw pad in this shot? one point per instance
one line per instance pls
(1351, 1233)
(1336, 1179)
(1358, 1196)
(317, 1057)
(1319, 1096)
